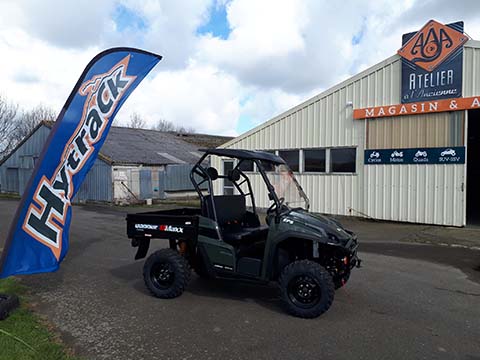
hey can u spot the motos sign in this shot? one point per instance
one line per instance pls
(432, 61)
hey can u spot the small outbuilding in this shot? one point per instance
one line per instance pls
(133, 164)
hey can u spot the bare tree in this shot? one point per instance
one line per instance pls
(136, 122)
(29, 119)
(164, 125)
(168, 126)
(15, 127)
(8, 126)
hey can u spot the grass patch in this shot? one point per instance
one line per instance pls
(23, 335)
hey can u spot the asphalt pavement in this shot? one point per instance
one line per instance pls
(408, 301)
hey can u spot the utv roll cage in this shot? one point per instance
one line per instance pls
(210, 174)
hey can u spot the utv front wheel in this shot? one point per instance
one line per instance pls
(166, 274)
(306, 288)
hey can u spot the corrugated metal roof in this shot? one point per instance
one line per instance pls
(148, 147)
(151, 147)
(204, 141)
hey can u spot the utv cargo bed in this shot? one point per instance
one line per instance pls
(164, 224)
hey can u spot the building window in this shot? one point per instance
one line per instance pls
(246, 165)
(228, 188)
(343, 160)
(315, 160)
(267, 166)
(291, 157)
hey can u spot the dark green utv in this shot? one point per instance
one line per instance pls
(308, 255)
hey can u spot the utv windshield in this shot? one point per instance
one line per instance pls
(286, 186)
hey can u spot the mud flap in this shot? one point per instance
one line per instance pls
(143, 246)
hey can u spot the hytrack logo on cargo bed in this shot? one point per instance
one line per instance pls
(170, 228)
(146, 227)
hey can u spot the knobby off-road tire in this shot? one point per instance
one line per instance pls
(8, 303)
(307, 289)
(166, 273)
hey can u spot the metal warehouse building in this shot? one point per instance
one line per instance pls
(133, 164)
(399, 141)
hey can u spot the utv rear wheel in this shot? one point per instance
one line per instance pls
(306, 288)
(166, 273)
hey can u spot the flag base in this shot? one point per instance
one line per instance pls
(8, 303)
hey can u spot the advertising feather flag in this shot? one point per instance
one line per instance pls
(38, 237)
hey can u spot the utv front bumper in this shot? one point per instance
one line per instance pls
(352, 247)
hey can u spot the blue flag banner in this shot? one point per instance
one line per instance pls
(38, 237)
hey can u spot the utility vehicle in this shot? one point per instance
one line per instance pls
(308, 255)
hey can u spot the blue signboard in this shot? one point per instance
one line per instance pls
(443, 155)
(432, 61)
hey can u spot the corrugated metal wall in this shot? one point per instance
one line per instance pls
(429, 194)
(97, 185)
(338, 201)
(21, 162)
(471, 69)
(326, 121)
(17, 169)
(146, 191)
(414, 193)
(428, 130)
(177, 178)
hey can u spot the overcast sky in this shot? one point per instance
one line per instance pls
(228, 65)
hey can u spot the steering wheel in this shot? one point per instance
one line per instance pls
(280, 203)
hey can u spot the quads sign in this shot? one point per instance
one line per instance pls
(448, 155)
(432, 61)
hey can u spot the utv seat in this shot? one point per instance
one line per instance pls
(235, 224)
(246, 235)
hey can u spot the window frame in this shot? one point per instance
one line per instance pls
(304, 171)
(299, 170)
(330, 162)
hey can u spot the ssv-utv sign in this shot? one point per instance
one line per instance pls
(38, 237)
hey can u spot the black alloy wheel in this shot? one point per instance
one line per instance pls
(162, 275)
(166, 273)
(304, 291)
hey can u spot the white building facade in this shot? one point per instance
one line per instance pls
(334, 155)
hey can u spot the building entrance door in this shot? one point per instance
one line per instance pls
(473, 167)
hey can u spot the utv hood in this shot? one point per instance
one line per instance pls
(333, 228)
